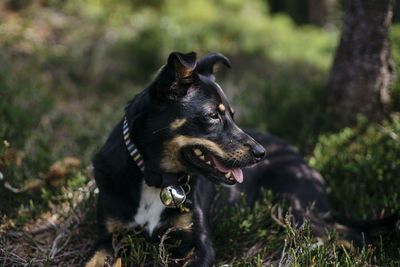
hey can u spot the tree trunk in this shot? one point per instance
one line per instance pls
(360, 78)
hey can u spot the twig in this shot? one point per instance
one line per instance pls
(27, 187)
(161, 247)
(15, 255)
(12, 189)
(392, 134)
(53, 250)
(283, 253)
(309, 210)
(65, 243)
(276, 219)
(52, 226)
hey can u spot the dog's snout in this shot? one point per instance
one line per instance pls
(258, 152)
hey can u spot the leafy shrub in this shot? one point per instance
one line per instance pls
(362, 168)
(289, 106)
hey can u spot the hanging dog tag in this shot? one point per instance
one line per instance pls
(172, 196)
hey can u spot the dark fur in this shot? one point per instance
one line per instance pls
(185, 90)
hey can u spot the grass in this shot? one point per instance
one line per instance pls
(366, 157)
(258, 237)
(68, 68)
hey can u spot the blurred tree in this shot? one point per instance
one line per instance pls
(396, 11)
(315, 12)
(16, 5)
(296, 9)
(360, 78)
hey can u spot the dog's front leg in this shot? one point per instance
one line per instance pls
(203, 248)
(200, 231)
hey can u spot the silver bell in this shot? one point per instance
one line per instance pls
(172, 196)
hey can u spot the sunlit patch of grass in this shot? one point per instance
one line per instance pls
(252, 237)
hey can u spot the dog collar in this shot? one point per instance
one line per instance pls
(172, 196)
(132, 149)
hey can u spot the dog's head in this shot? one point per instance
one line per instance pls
(183, 123)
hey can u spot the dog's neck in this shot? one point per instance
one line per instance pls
(171, 182)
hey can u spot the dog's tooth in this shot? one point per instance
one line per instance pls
(202, 158)
(228, 175)
(208, 162)
(197, 152)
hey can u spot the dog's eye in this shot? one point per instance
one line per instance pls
(213, 116)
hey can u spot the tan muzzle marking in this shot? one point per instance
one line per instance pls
(170, 161)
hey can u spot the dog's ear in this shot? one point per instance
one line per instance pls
(181, 65)
(209, 64)
(179, 70)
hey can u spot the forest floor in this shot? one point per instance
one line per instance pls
(65, 75)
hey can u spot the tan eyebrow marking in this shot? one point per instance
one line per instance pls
(177, 124)
(221, 107)
(232, 110)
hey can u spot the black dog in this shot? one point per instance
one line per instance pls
(182, 124)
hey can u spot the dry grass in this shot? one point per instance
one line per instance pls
(56, 239)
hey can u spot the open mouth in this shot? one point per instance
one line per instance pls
(209, 165)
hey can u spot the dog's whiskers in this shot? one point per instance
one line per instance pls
(161, 129)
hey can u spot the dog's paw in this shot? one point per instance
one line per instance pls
(103, 259)
(112, 262)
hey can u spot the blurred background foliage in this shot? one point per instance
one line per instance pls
(68, 67)
(88, 51)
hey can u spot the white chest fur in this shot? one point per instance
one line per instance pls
(150, 208)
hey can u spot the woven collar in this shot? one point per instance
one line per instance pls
(132, 149)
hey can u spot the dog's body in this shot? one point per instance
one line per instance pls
(183, 124)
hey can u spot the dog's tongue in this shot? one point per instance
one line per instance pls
(236, 172)
(237, 175)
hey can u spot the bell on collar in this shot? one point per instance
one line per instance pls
(172, 196)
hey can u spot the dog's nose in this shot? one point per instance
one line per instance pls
(258, 152)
